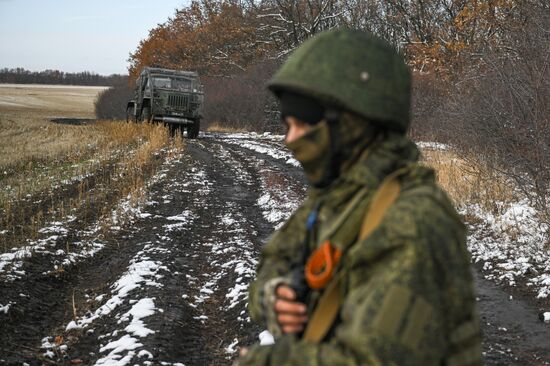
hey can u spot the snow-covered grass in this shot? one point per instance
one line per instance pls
(511, 246)
(89, 239)
(430, 145)
(506, 234)
(105, 161)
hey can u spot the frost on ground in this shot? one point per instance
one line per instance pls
(54, 236)
(266, 143)
(277, 201)
(427, 145)
(121, 344)
(511, 246)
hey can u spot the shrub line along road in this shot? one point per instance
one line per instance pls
(170, 287)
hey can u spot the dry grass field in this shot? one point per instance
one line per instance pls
(468, 180)
(49, 170)
(26, 132)
(66, 100)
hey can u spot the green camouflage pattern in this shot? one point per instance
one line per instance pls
(315, 151)
(407, 294)
(354, 70)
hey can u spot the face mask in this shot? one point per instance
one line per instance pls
(312, 150)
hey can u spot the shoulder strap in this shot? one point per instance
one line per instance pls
(329, 304)
(383, 198)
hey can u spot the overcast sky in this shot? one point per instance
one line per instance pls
(77, 35)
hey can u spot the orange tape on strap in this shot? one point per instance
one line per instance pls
(320, 266)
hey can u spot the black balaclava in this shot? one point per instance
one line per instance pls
(304, 108)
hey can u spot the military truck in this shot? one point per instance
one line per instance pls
(172, 97)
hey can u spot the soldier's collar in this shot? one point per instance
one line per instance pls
(380, 159)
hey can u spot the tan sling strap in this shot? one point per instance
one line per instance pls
(328, 306)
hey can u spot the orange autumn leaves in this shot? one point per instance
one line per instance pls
(221, 38)
(214, 38)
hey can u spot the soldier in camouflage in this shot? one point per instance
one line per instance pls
(406, 295)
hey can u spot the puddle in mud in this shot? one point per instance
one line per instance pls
(73, 121)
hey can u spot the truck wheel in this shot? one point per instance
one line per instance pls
(193, 130)
(146, 114)
(129, 116)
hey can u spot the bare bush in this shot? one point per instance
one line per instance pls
(111, 103)
(242, 100)
(503, 108)
(428, 99)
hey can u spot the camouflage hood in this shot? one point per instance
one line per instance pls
(329, 151)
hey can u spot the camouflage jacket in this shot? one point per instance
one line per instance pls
(408, 297)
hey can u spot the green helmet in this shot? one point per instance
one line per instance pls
(353, 70)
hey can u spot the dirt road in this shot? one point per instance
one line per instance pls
(170, 287)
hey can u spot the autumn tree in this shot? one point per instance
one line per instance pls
(444, 36)
(212, 37)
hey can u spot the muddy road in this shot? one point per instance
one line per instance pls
(170, 286)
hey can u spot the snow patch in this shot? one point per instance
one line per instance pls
(266, 338)
(232, 347)
(518, 252)
(142, 309)
(125, 344)
(184, 216)
(139, 273)
(275, 151)
(5, 308)
(432, 145)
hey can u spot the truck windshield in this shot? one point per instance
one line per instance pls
(162, 82)
(181, 84)
(176, 83)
